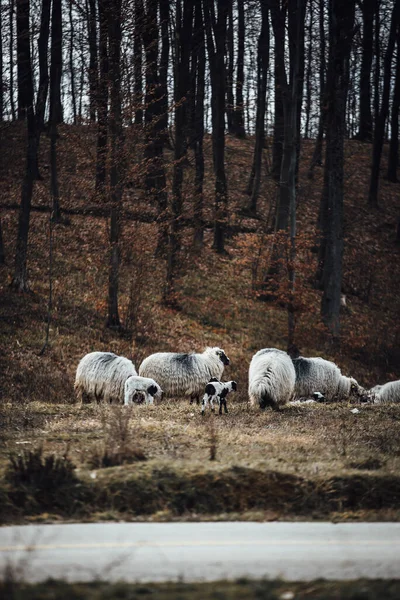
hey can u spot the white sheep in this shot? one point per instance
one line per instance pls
(323, 376)
(389, 392)
(103, 375)
(138, 389)
(218, 391)
(271, 378)
(184, 374)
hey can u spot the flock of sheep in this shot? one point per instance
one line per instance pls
(274, 379)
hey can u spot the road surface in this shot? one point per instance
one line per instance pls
(143, 552)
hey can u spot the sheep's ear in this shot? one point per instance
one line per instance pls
(223, 357)
(213, 379)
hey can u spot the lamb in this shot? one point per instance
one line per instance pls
(271, 378)
(184, 374)
(102, 376)
(389, 392)
(141, 389)
(323, 376)
(218, 391)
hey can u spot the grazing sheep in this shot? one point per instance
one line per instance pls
(389, 392)
(184, 374)
(323, 376)
(103, 376)
(141, 389)
(218, 391)
(271, 378)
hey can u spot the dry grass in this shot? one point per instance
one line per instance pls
(241, 589)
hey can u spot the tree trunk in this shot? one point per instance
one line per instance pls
(277, 147)
(116, 158)
(365, 128)
(216, 30)
(184, 16)
(377, 70)
(297, 24)
(2, 252)
(43, 46)
(20, 278)
(341, 24)
(394, 121)
(11, 53)
(23, 55)
(239, 111)
(93, 61)
(253, 187)
(307, 125)
(138, 63)
(102, 106)
(153, 152)
(55, 102)
(71, 62)
(379, 132)
(230, 104)
(1, 66)
(317, 154)
(199, 60)
(164, 58)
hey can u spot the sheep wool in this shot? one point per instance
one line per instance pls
(320, 375)
(184, 374)
(102, 376)
(271, 378)
(389, 392)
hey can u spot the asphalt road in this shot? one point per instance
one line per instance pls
(142, 552)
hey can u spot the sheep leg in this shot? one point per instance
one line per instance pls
(194, 397)
(204, 404)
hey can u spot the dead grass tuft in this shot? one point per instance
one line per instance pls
(119, 445)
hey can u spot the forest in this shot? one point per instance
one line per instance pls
(182, 174)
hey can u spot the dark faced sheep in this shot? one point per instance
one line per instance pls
(184, 374)
(323, 376)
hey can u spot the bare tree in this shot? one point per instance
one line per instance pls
(102, 98)
(93, 60)
(393, 161)
(365, 128)
(184, 24)
(116, 158)
(25, 108)
(55, 116)
(238, 116)
(215, 26)
(253, 186)
(379, 131)
(341, 29)
(198, 87)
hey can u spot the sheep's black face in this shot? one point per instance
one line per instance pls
(263, 403)
(152, 390)
(223, 357)
(138, 398)
(234, 386)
